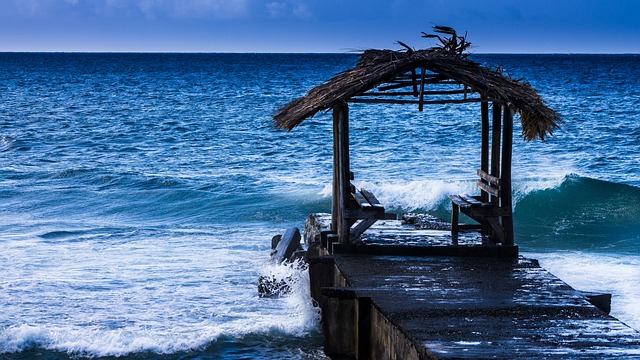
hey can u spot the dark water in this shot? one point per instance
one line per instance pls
(139, 193)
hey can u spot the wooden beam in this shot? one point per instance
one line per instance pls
(507, 154)
(484, 151)
(335, 190)
(421, 97)
(356, 100)
(494, 191)
(495, 144)
(410, 93)
(400, 84)
(341, 124)
(414, 80)
(488, 178)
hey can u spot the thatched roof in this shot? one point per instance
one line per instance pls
(445, 65)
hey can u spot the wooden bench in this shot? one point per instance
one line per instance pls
(488, 209)
(366, 208)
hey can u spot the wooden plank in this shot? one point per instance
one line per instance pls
(455, 214)
(410, 93)
(371, 198)
(371, 213)
(488, 189)
(414, 81)
(409, 102)
(428, 80)
(364, 203)
(488, 178)
(288, 244)
(495, 143)
(361, 227)
(341, 124)
(475, 201)
(335, 190)
(507, 149)
(459, 201)
(480, 213)
(484, 151)
(421, 96)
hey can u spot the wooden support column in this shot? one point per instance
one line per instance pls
(335, 185)
(341, 172)
(421, 97)
(495, 144)
(484, 152)
(507, 154)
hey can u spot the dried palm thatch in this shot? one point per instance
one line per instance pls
(449, 61)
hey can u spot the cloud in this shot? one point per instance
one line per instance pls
(285, 9)
(189, 9)
(177, 9)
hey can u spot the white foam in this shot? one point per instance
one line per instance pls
(605, 273)
(113, 299)
(428, 194)
(413, 195)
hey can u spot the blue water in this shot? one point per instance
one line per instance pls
(139, 193)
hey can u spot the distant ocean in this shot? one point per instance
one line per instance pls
(139, 193)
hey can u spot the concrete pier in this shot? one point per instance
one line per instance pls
(416, 305)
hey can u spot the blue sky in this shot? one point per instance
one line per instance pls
(531, 26)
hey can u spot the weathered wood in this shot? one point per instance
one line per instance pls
(341, 126)
(493, 180)
(371, 198)
(335, 191)
(414, 81)
(455, 213)
(421, 96)
(362, 201)
(428, 80)
(371, 213)
(357, 100)
(410, 93)
(361, 227)
(495, 144)
(288, 244)
(494, 191)
(475, 200)
(459, 202)
(507, 150)
(467, 201)
(484, 151)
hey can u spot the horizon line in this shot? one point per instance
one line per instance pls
(350, 52)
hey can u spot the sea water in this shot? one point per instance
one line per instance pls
(139, 193)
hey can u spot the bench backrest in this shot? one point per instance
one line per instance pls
(489, 184)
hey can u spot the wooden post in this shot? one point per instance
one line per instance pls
(495, 144)
(484, 154)
(335, 185)
(421, 98)
(507, 153)
(341, 162)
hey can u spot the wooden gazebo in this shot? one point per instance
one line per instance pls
(438, 75)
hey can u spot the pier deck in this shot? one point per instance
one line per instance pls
(403, 306)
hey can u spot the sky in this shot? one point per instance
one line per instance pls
(492, 26)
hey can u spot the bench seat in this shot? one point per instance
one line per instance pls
(487, 213)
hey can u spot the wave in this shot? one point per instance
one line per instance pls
(250, 326)
(431, 195)
(581, 212)
(599, 273)
(562, 210)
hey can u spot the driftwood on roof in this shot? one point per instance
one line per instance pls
(386, 70)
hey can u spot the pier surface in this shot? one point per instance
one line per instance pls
(401, 306)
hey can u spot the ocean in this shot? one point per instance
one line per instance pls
(139, 193)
